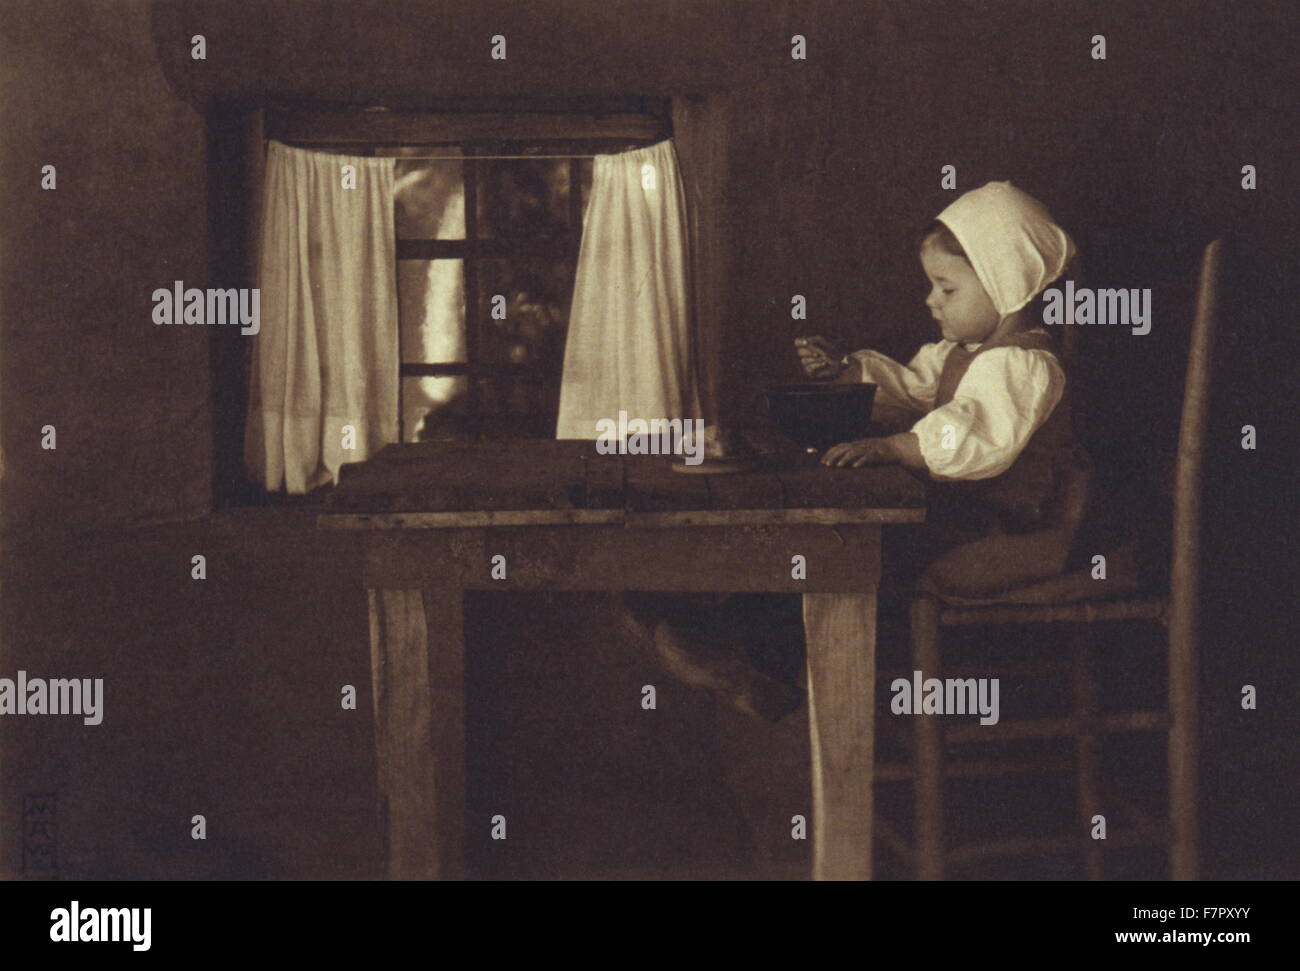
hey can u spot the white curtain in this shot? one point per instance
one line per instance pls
(630, 340)
(326, 356)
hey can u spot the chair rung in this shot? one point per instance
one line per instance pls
(1141, 721)
(977, 768)
(1086, 612)
(1026, 845)
(1014, 669)
(1020, 845)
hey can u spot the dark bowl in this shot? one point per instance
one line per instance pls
(821, 415)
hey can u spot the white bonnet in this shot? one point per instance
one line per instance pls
(1011, 241)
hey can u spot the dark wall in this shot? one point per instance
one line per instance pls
(129, 400)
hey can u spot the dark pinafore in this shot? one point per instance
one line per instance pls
(1031, 498)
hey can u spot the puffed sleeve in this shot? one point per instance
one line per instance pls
(912, 387)
(1004, 397)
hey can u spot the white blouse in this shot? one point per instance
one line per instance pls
(1004, 397)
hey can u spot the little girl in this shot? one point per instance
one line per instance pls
(987, 409)
(983, 416)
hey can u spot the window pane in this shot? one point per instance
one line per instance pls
(516, 407)
(431, 318)
(537, 295)
(434, 409)
(431, 310)
(523, 197)
(429, 195)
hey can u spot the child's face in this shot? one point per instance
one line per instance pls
(957, 299)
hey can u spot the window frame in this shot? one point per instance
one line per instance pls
(615, 125)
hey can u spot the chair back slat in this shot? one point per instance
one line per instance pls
(1184, 579)
(1189, 468)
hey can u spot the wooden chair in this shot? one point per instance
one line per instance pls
(1080, 601)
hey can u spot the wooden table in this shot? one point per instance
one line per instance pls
(435, 517)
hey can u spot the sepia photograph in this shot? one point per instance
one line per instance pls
(687, 441)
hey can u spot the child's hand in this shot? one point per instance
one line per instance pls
(820, 357)
(863, 451)
(903, 448)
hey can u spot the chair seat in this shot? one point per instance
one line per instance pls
(1122, 580)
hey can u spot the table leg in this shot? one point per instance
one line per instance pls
(840, 632)
(417, 668)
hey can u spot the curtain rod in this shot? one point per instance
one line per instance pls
(461, 158)
(458, 158)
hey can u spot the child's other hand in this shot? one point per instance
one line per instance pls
(819, 357)
(863, 451)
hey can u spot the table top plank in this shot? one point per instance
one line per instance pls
(603, 476)
(527, 449)
(430, 484)
(772, 517)
(760, 489)
(652, 486)
(451, 477)
(816, 486)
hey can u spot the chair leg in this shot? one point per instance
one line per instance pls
(1083, 683)
(928, 749)
(1182, 754)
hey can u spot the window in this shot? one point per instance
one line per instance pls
(524, 247)
(488, 216)
(487, 250)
